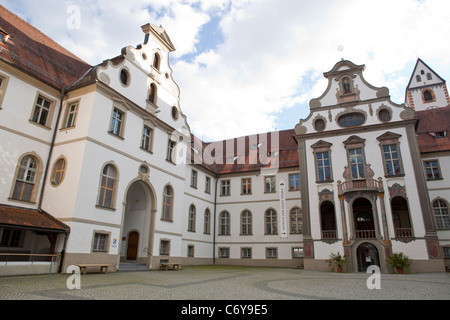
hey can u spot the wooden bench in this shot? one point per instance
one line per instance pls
(165, 266)
(103, 267)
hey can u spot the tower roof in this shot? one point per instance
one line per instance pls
(423, 70)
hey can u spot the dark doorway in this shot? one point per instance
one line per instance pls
(367, 256)
(363, 218)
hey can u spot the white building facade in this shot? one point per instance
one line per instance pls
(99, 165)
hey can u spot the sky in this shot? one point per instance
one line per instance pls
(252, 66)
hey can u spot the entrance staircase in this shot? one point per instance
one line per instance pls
(131, 266)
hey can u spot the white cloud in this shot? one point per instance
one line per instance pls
(273, 52)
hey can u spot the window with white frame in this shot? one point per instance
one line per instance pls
(269, 184)
(440, 209)
(207, 222)
(207, 184)
(171, 151)
(296, 221)
(71, 116)
(41, 112)
(271, 252)
(246, 185)
(107, 187)
(26, 179)
(167, 204)
(224, 223)
(191, 218)
(294, 182)
(146, 141)
(356, 162)
(432, 170)
(194, 177)
(246, 222)
(117, 119)
(100, 242)
(225, 187)
(224, 252)
(271, 222)
(246, 253)
(164, 247)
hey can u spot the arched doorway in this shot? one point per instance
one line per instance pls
(363, 219)
(138, 224)
(367, 255)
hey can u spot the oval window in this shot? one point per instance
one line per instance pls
(351, 119)
(124, 77)
(319, 124)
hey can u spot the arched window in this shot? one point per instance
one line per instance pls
(25, 179)
(107, 187)
(296, 221)
(152, 93)
(207, 222)
(167, 203)
(428, 96)
(156, 61)
(271, 221)
(224, 223)
(191, 218)
(441, 215)
(400, 214)
(418, 78)
(429, 76)
(328, 220)
(246, 222)
(59, 170)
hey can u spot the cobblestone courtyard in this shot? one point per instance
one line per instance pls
(227, 283)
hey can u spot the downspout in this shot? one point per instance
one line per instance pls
(214, 224)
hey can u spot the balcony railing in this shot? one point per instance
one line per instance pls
(329, 234)
(403, 232)
(365, 234)
(357, 185)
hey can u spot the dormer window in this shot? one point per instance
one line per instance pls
(440, 135)
(3, 36)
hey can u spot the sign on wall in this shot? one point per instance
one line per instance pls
(283, 218)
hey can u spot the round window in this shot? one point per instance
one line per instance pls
(143, 169)
(351, 120)
(384, 115)
(319, 124)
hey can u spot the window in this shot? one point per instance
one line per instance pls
(319, 125)
(323, 166)
(246, 253)
(58, 172)
(429, 76)
(164, 247)
(100, 242)
(271, 252)
(224, 223)
(167, 204)
(107, 187)
(194, 175)
(384, 115)
(246, 223)
(25, 180)
(41, 111)
(190, 251)
(441, 215)
(432, 170)
(297, 253)
(225, 187)
(11, 238)
(191, 219)
(116, 122)
(71, 115)
(418, 78)
(146, 142)
(152, 93)
(294, 182)
(224, 252)
(446, 252)
(124, 77)
(207, 184)
(175, 113)
(296, 221)
(170, 150)
(351, 120)
(441, 135)
(269, 184)
(271, 222)
(3, 85)
(356, 162)
(392, 160)
(207, 222)
(428, 96)
(246, 185)
(156, 61)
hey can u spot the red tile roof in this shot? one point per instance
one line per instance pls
(249, 157)
(15, 217)
(431, 122)
(35, 53)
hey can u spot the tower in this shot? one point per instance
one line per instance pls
(426, 89)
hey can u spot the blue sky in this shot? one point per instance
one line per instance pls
(252, 66)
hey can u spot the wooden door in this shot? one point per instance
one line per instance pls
(133, 240)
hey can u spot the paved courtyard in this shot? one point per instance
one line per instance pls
(227, 283)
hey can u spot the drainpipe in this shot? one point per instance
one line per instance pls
(214, 224)
(52, 145)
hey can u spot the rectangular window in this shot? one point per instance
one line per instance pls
(392, 160)
(269, 184)
(71, 115)
(224, 252)
(164, 247)
(190, 252)
(271, 252)
(100, 240)
(294, 182)
(41, 111)
(297, 253)
(432, 170)
(323, 166)
(246, 185)
(356, 161)
(170, 150)
(194, 175)
(10, 238)
(146, 142)
(225, 188)
(116, 122)
(208, 185)
(246, 252)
